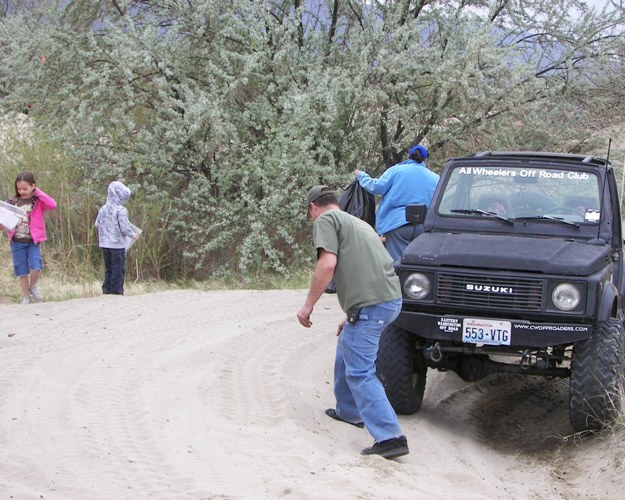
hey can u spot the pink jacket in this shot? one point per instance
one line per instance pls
(43, 202)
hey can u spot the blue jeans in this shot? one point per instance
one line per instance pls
(114, 270)
(360, 396)
(398, 239)
(26, 258)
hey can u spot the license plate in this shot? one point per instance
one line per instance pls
(485, 331)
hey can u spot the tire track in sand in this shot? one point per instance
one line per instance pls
(94, 406)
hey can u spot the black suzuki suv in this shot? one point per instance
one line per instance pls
(519, 269)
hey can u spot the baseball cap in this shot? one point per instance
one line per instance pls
(317, 192)
(421, 149)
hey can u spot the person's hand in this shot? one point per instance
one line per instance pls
(357, 172)
(341, 326)
(303, 316)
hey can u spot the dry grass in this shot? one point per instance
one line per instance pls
(59, 282)
(56, 284)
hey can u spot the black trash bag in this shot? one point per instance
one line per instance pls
(359, 203)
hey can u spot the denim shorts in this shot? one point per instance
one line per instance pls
(26, 258)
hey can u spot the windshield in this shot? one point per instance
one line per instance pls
(520, 192)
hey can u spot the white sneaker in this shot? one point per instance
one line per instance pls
(25, 300)
(37, 297)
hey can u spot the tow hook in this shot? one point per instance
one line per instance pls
(433, 352)
(526, 359)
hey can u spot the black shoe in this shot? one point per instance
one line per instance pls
(331, 412)
(390, 448)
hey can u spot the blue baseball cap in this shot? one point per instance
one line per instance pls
(421, 149)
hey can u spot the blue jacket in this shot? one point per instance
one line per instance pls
(406, 183)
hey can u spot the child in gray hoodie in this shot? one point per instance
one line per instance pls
(113, 228)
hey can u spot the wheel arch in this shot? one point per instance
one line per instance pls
(610, 303)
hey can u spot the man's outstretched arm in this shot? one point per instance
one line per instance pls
(324, 270)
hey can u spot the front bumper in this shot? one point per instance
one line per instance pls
(522, 333)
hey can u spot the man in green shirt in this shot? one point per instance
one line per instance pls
(368, 290)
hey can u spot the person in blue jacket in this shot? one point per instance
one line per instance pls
(407, 183)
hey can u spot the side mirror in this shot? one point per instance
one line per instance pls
(415, 214)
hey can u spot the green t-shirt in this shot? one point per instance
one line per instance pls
(364, 273)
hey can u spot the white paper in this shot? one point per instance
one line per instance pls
(130, 239)
(10, 215)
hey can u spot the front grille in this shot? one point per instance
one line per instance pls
(490, 292)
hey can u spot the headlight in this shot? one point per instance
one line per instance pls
(566, 296)
(417, 286)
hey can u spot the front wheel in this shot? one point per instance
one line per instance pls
(597, 371)
(402, 370)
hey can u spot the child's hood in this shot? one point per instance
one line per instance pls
(118, 193)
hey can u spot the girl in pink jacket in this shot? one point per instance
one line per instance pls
(28, 234)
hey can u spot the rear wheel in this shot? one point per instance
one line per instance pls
(597, 372)
(402, 370)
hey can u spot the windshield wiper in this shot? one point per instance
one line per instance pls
(549, 217)
(483, 212)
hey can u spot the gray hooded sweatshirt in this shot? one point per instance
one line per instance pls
(112, 222)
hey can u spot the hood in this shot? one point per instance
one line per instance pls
(549, 256)
(118, 193)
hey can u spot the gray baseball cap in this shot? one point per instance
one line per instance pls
(317, 192)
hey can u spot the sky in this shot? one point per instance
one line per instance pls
(597, 4)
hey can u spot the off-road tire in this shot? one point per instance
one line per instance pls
(402, 370)
(597, 371)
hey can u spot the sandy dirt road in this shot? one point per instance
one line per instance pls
(188, 394)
